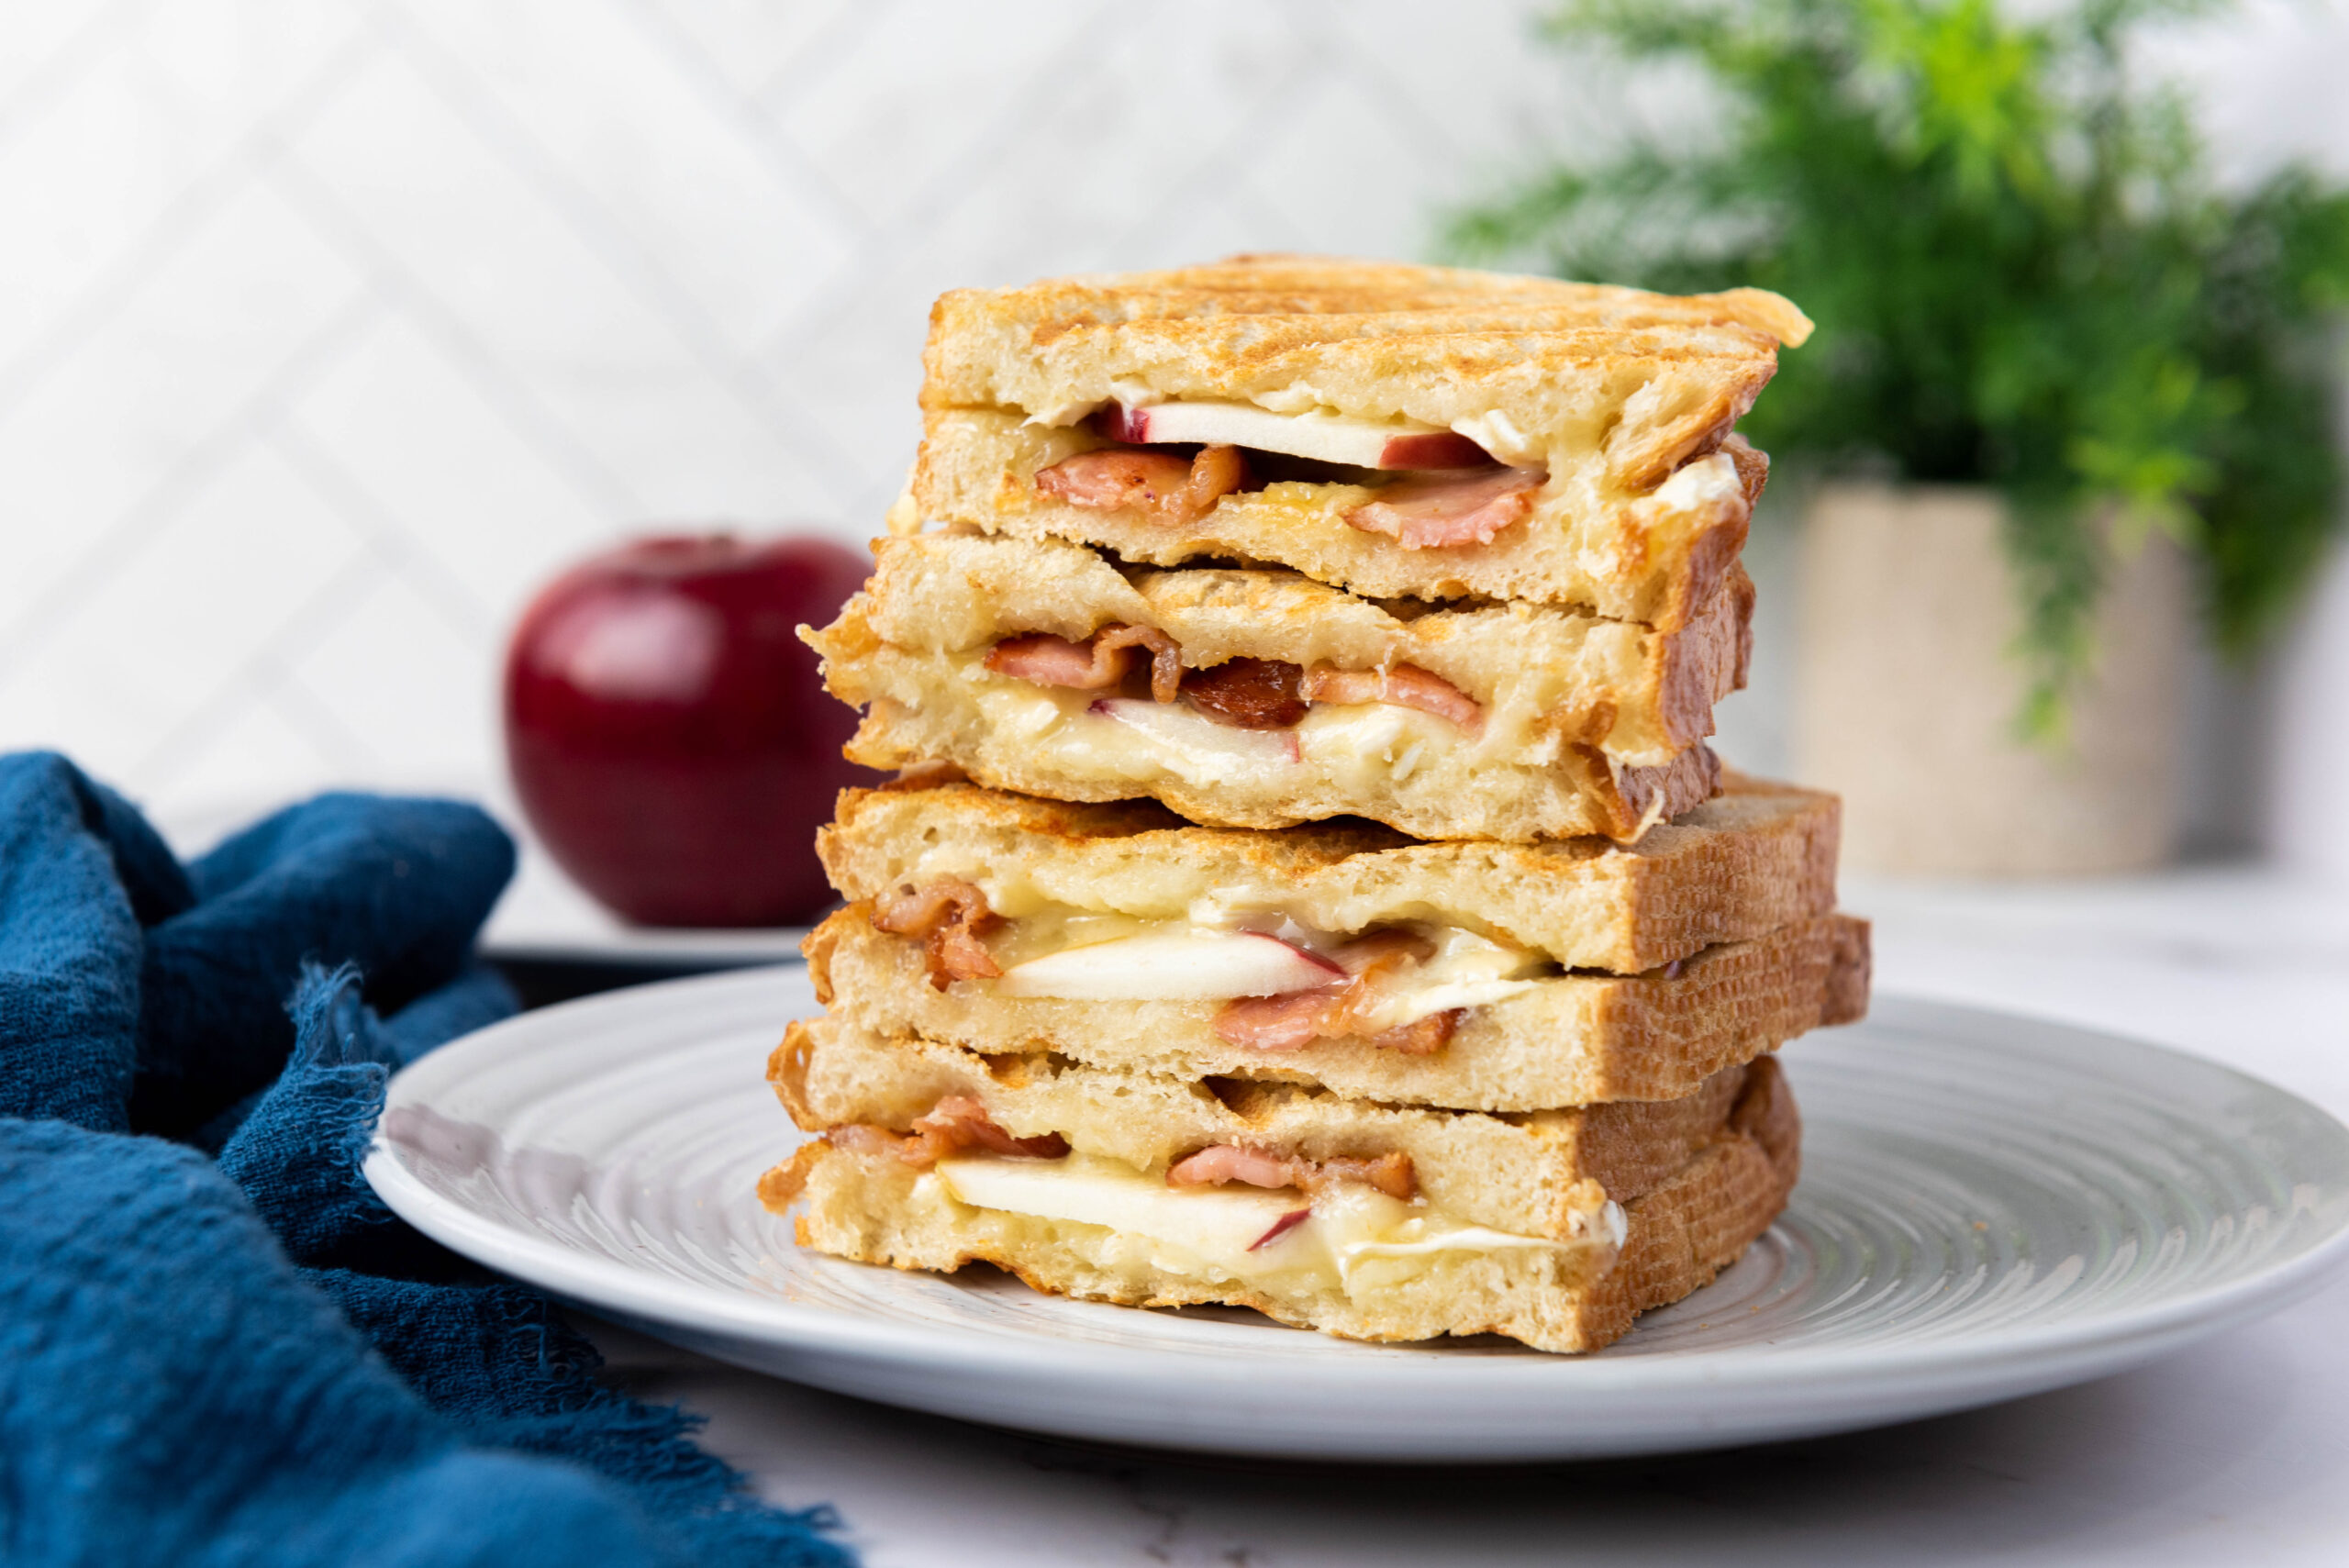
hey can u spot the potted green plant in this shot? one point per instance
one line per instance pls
(2046, 338)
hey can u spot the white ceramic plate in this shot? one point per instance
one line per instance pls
(1990, 1206)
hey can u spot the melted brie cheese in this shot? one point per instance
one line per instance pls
(1467, 970)
(1221, 1232)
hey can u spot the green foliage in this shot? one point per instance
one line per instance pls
(2020, 273)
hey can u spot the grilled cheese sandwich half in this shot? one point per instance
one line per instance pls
(1364, 1220)
(1436, 1016)
(1759, 857)
(1400, 431)
(1260, 699)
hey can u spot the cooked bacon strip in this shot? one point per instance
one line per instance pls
(1380, 953)
(959, 1122)
(1216, 472)
(1421, 1037)
(1288, 1022)
(1253, 694)
(951, 915)
(1115, 478)
(1223, 1163)
(1406, 685)
(1390, 1173)
(1093, 665)
(1295, 1019)
(1166, 658)
(1433, 511)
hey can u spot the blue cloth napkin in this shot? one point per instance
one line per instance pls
(216, 1346)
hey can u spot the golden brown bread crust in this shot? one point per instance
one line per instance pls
(1648, 380)
(1658, 558)
(1572, 1040)
(1758, 857)
(1679, 1235)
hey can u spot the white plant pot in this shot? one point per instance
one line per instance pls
(1906, 694)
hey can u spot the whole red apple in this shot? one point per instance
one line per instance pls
(669, 736)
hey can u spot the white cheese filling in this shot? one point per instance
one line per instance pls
(1088, 958)
(1228, 1232)
(1359, 745)
(1295, 422)
(1312, 432)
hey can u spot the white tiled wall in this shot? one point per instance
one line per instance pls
(329, 328)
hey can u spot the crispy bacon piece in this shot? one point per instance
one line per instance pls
(1216, 472)
(951, 915)
(1253, 694)
(959, 1122)
(1390, 1173)
(1115, 478)
(1406, 685)
(1421, 1037)
(1288, 1022)
(1295, 1019)
(1378, 952)
(1093, 665)
(1436, 510)
(1223, 1163)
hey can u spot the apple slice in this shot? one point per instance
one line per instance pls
(1172, 967)
(1202, 749)
(1218, 1223)
(1331, 438)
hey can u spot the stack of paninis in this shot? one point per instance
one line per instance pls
(1308, 887)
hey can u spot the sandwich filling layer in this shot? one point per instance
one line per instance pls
(1519, 532)
(1756, 858)
(1511, 1045)
(1466, 433)
(1349, 1236)
(1259, 699)
(1370, 1220)
(1284, 984)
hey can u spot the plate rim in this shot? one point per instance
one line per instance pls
(2110, 1339)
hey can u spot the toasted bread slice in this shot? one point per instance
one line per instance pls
(1759, 857)
(1609, 392)
(1371, 1222)
(1507, 721)
(1563, 1039)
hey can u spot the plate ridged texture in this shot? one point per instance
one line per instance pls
(1989, 1206)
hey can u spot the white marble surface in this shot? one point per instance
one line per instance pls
(2235, 1450)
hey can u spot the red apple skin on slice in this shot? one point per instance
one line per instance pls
(1119, 423)
(669, 736)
